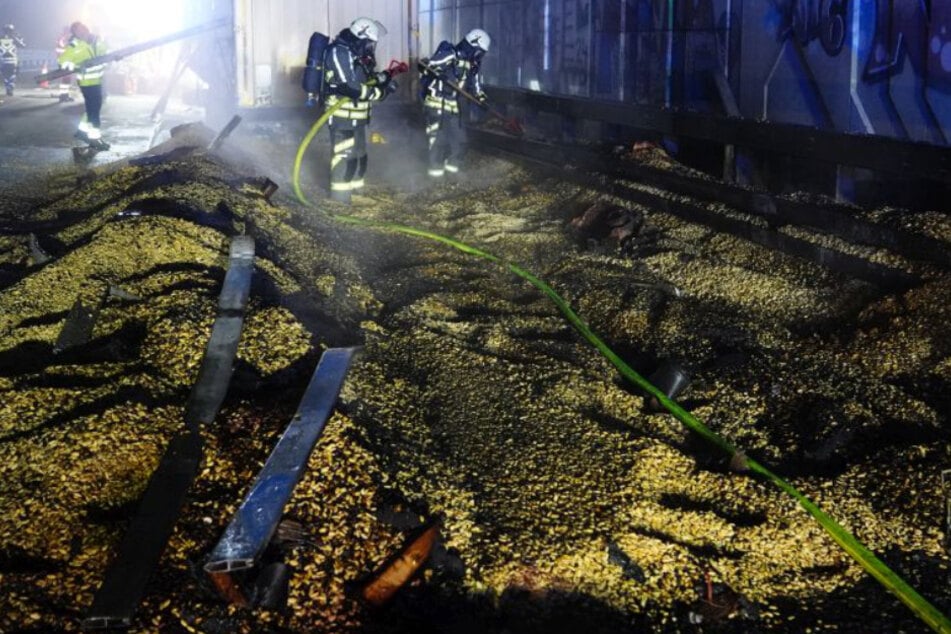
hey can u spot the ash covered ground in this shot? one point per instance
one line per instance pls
(565, 502)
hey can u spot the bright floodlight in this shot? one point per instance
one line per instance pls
(134, 21)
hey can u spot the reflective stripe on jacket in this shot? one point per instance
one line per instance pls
(8, 49)
(79, 51)
(347, 81)
(449, 63)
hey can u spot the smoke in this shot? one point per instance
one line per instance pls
(397, 151)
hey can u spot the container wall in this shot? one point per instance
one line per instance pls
(871, 66)
(272, 37)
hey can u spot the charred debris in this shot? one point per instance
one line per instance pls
(483, 469)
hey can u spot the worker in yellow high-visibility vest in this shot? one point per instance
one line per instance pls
(82, 47)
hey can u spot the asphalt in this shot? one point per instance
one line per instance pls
(36, 130)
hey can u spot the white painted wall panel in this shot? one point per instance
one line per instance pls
(275, 33)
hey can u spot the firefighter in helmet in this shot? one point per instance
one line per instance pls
(9, 43)
(350, 76)
(83, 46)
(457, 65)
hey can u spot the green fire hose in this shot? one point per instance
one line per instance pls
(872, 564)
(395, 68)
(314, 129)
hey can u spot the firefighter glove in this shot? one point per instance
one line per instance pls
(311, 100)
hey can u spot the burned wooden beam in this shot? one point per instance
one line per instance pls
(175, 154)
(255, 521)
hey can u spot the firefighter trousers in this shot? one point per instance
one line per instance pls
(9, 72)
(92, 99)
(447, 141)
(348, 161)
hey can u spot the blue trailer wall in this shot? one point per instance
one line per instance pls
(871, 66)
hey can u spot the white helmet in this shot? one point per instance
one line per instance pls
(367, 29)
(479, 39)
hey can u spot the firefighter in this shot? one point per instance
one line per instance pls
(458, 64)
(349, 76)
(83, 46)
(9, 43)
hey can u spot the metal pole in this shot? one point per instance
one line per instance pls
(668, 89)
(728, 34)
(622, 52)
(591, 8)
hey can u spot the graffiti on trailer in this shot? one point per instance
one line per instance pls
(916, 30)
(699, 16)
(809, 20)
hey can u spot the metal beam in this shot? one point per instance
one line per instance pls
(141, 547)
(145, 539)
(558, 157)
(922, 160)
(215, 373)
(832, 219)
(252, 526)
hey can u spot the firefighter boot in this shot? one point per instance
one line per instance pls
(340, 196)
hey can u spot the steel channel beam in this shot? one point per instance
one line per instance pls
(252, 526)
(141, 548)
(558, 157)
(218, 363)
(921, 160)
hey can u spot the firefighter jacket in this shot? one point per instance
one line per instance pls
(79, 51)
(9, 44)
(348, 71)
(457, 64)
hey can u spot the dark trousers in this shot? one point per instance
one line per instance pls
(92, 97)
(9, 72)
(447, 141)
(348, 160)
